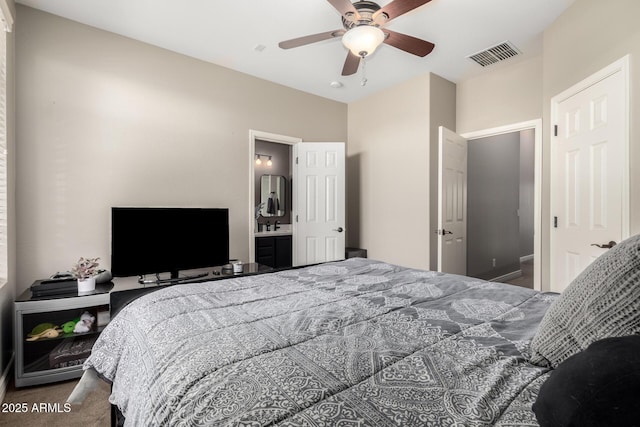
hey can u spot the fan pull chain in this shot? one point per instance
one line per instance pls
(364, 72)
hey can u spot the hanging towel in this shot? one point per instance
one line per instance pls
(273, 204)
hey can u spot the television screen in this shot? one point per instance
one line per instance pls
(158, 240)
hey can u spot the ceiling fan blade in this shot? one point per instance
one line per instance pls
(397, 8)
(407, 43)
(313, 38)
(351, 64)
(346, 9)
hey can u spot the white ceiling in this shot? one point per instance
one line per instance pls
(227, 33)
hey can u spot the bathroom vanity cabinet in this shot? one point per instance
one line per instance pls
(274, 251)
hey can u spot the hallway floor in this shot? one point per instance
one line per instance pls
(526, 280)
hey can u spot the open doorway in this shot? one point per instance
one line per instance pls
(503, 232)
(265, 146)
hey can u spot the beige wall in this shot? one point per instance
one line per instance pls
(387, 174)
(107, 121)
(391, 146)
(509, 94)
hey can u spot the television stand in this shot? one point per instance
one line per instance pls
(171, 279)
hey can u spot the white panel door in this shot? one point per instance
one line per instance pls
(588, 169)
(319, 202)
(452, 202)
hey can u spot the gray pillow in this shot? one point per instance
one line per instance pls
(603, 301)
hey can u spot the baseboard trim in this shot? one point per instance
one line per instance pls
(507, 277)
(4, 380)
(526, 258)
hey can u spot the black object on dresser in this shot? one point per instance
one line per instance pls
(48, 287)
(120, 298)
(355, 252)
(274, 251)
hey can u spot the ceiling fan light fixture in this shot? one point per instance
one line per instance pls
(363, 40)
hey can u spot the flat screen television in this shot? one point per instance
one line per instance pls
(159, 240)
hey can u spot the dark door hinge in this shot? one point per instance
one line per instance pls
(555, 130)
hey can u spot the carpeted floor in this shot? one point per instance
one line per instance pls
(45, 406)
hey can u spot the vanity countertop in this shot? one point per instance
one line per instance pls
(283, 230)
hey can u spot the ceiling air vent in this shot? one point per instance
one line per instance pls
(494, 54)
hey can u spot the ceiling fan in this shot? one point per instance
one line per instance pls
(363, 32)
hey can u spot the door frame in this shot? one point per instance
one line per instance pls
(536, 125)
(619, 66)
(269, 137)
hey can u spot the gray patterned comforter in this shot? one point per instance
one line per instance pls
(352, 343)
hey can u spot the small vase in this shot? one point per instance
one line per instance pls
(86, 285)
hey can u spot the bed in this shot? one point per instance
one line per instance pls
(351, 343)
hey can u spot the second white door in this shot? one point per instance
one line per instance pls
(588, 174)
(319, 202)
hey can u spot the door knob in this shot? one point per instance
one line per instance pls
(443, 232)
(339, 229)
(606, 245)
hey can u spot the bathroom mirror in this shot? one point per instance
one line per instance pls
(273, 195)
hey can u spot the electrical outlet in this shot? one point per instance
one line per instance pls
(493, 262)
